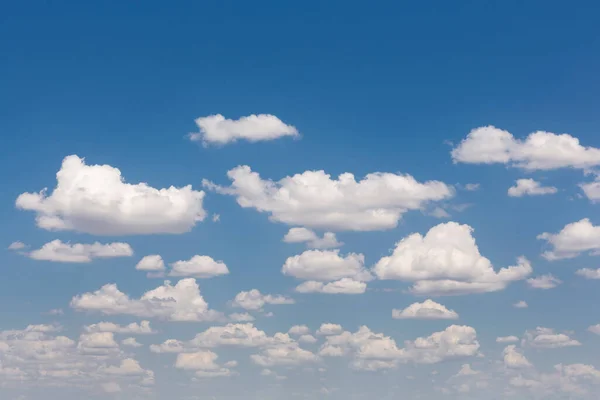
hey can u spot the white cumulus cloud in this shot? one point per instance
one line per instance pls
(572, 240)
(446, 261)
(152, 263)
(588, 273)
(312, 240)
(179, 302)
(96, 199)
(546, 338)
(58, 251)
(428, 309)
(538, 151)
(547, 281)
(255, 300)
(199, 267)
(530, 187)
(216, 129)
(313, 199)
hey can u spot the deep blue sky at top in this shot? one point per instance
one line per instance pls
(372, 87)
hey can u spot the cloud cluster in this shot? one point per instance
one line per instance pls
(95, 199)
(446, 261)
(326, 271)
(539, 151)
(312, 240)
(38, 357)
(179, 302)
(313, 199)
(546, 338)
(373, 351)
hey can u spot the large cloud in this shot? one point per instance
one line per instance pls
(181, 302)
(313, 199)
(96, 199)
(446, 261)
(575, 238)
(539, 151)
(216, 129)
(58, 251)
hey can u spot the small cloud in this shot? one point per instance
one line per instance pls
(216, 217)
(520, 304)
(471, 187)
(17, 246)
(547, 281)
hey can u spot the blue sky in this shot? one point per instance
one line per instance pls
(436, 109)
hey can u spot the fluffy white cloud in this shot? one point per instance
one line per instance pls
(312, 240)
(507, 339)
(513, 358)
(428, 309)
(284, 355)
(143, 328)
(547, 281)
(128, 366)
(575, 238)
(588, 273)
(255, 300)
(329, 329)
(35, 357)
(520, 304)
(312, 199)
(539, 151)
(530, 187)
(446, 261)
(595, 329)
(343, 286)
(242, 335)
(58, 251)
(591, 190)
(151, 263)
(454, 342)
(181, 302)
(203, 362)
(131, 342)
(199, 267)
(17, 246)
(97, 343)
(95, 199)
(216, 129)
(326, 265)
(546, 338)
